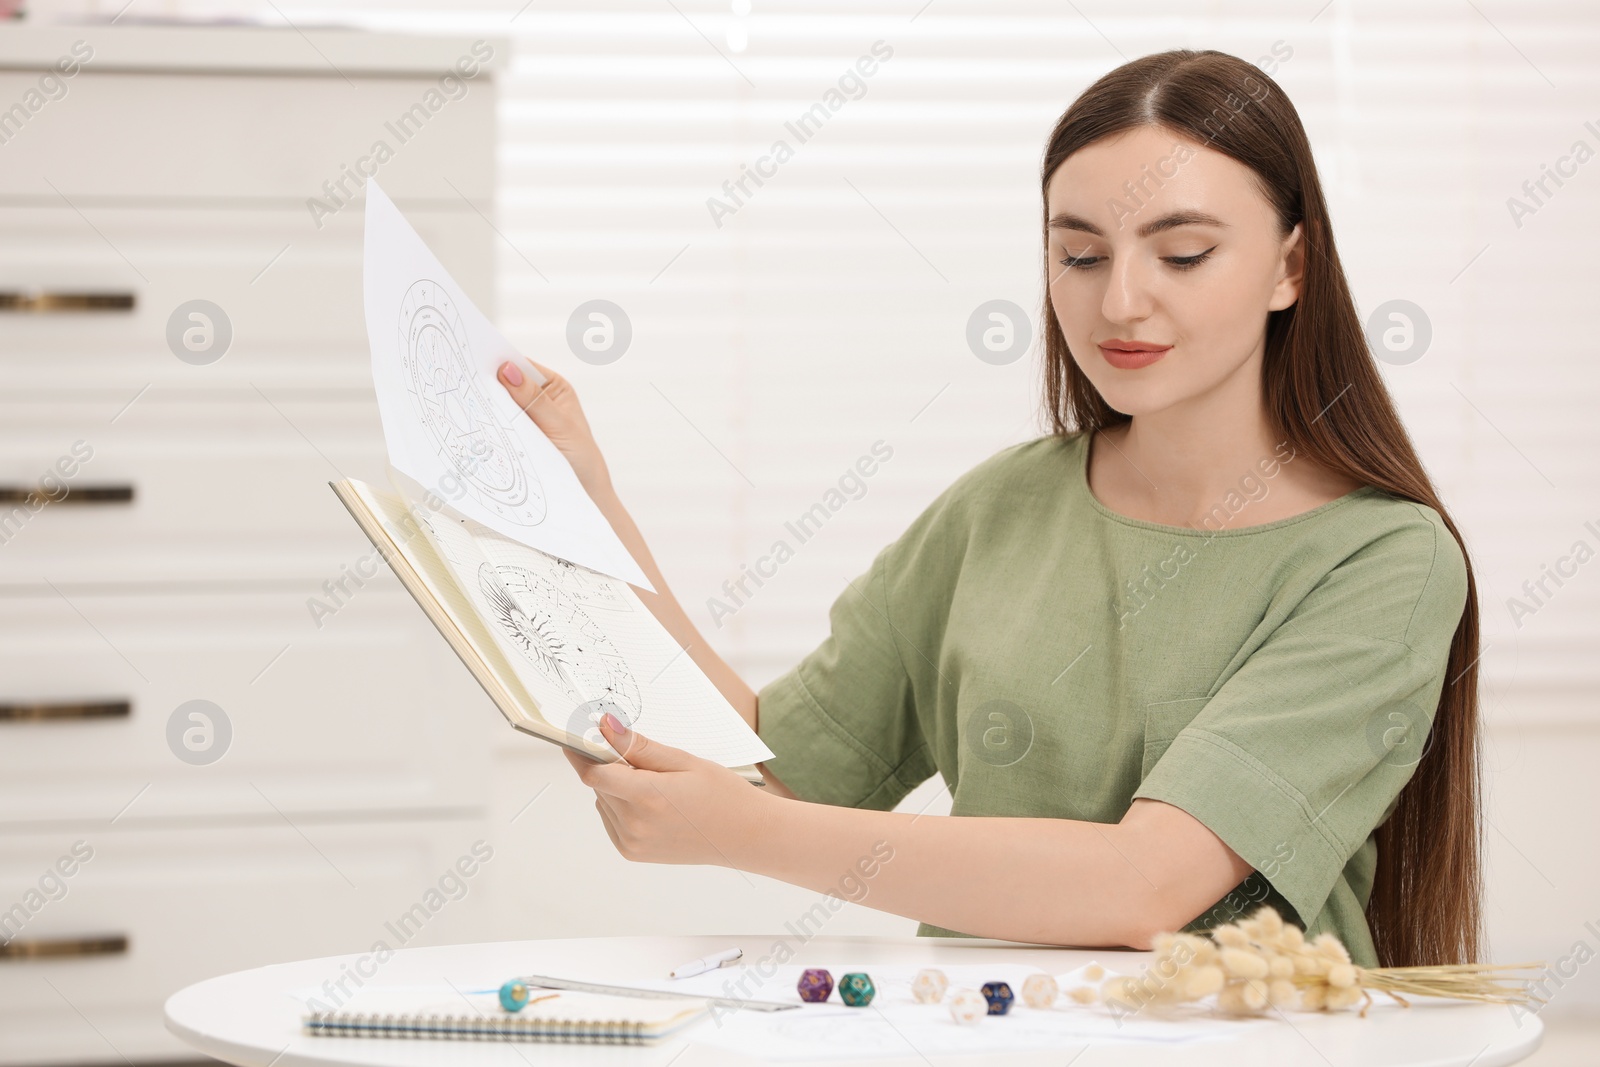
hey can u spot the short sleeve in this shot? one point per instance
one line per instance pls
(842, 724)
(1303, 750)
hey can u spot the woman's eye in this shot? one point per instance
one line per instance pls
(1088, 262)
(1190, 262)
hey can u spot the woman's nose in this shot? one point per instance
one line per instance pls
(1127, 297)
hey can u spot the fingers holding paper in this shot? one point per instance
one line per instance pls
(553, 406)
(662, 805)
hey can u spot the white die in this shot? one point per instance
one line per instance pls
(968, 1007)
(1040, 991)
(929, 985)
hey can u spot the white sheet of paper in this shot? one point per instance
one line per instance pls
(894, 1024)
(447, 420)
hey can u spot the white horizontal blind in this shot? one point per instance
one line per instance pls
(828, 311)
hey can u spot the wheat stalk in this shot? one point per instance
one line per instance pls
(1261, 962)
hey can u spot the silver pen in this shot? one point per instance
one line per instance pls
(707, 963)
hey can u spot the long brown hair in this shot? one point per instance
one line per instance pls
(1325, 395)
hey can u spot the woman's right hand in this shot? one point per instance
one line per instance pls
(554, 408)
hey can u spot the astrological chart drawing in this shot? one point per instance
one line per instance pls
(597, 591)
(455, 412)
(554, 633)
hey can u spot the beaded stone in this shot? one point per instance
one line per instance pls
(929, 985)
(513, 995)
(999, 996)
(968, 1007)
(856, 989)
(815, 984)
(1040, 991)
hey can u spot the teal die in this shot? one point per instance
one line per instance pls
(856, 989)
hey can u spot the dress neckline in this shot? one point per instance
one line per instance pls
(1081, 485)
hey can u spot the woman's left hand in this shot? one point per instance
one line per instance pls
(665, 805)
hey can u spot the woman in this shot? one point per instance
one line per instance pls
(1211, 642)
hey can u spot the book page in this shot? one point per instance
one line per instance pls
(582, 644)
(502, 623)
(409, 536)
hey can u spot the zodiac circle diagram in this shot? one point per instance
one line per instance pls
(554, 633)
(455, 412)
(597, 593)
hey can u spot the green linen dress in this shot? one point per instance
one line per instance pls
(1050, 658)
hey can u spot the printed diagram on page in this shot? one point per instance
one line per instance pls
(551, 628)
(456, 415)
(595, 591)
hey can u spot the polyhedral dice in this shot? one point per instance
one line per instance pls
(929, 985)
(815, 984)
(999, 996)
(968, 1007)
(1040, 991)
(856, 989)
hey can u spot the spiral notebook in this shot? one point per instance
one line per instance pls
(434, 1013)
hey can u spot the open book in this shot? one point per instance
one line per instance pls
(554, 644)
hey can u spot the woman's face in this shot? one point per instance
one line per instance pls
(1164, 261)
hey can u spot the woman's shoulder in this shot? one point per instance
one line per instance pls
(1388, 524)
(1402, 548)
(1018, 475)
(1026, 466)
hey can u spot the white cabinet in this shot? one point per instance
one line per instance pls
(197, 553)
(291, 292)
(154, 910)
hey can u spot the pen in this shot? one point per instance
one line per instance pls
(706, 963)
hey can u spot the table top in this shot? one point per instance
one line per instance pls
(249, 1018)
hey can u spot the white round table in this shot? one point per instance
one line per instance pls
(249, 1018)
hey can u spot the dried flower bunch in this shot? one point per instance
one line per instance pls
(1263, 962)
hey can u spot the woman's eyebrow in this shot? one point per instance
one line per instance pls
(1066, 220)
(1180, 218)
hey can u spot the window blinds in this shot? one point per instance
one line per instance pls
(816, 322)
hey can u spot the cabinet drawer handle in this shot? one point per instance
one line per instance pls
(77, 494)
(53, 948)
(83, 709)
(38, 301)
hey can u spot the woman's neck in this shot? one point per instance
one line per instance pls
(1177, 466)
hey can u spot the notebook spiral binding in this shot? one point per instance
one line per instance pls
(485, 1028)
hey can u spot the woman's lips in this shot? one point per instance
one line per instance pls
(1132, 358)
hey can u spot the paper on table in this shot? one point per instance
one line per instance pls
(894, 1024)
(449, 423)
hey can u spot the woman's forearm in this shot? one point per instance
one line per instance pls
(1038, 880)
(665, 607)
